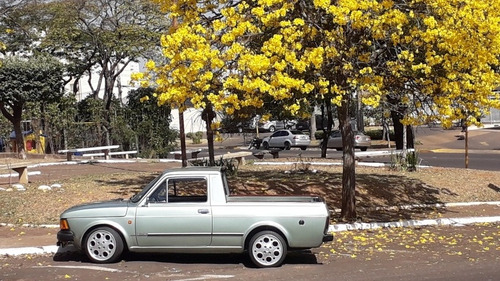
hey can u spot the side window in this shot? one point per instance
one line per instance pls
(186, 190)
(160, 194)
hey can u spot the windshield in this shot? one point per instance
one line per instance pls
(136, 198)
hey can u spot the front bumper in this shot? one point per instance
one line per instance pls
(64, 237)
(327, 237)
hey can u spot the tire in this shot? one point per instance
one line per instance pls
(287, 146)
(272, 129)
(103, 245)
(267, 249)
(303, 147)
(364, 148)
(265, 145)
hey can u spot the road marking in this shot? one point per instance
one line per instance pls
(96, 268)
(484, 143)
(207, 277)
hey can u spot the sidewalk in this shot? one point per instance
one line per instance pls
(23, 240)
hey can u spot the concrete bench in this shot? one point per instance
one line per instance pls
(104, 149)
(274, 152)
(20, 168)
(238, 156)
(190, 153)
(112, 153)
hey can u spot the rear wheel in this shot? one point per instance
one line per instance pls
(103, 245)
(272, 129)
(267, 249)
(303, 147)
(364, 148)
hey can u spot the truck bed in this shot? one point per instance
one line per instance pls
(294, 199)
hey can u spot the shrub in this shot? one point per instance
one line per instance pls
(195, 137)
(377, 134)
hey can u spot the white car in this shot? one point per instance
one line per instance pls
(287, 139)
(273, 125)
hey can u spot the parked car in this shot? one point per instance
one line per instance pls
(264, 126)
(273, 125)
(190, 210)
(287, 139)
(361, 140)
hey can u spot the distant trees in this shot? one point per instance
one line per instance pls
(93, 39)
(37, 78)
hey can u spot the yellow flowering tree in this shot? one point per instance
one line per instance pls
(426, 56)
(445, 61)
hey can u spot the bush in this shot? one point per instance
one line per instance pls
(408, 163)
(377, 134)
(230, 165)
(195, 137)
(319, 135)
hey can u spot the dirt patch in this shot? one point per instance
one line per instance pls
(376, 189)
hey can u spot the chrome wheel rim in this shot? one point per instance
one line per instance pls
(101, 245)
(267, 249)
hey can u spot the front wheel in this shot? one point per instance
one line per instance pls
(267, 249)
(103, 245)
(265, 145)
(287, 146)
(272, 129)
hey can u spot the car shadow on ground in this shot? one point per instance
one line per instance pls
(293, 257)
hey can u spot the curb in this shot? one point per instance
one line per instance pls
(332, 228)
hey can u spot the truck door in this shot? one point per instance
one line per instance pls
(176, 214)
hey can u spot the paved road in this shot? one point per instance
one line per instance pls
(437, 147)
(438, 253)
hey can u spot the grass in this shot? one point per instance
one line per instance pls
(376, 190)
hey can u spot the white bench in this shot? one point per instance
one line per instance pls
(190, 153)
(20, 168)
(112, 153)
(239, 156)
(104, 149)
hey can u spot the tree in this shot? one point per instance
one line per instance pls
(150, 124)
(100, 38)
(299, 51)
(22, 80)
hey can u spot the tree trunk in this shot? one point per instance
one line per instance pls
(15, 118)
(312, 125)
(208, 116)
(182, 136)
(399, 132)
(348, 208)
(329, 125)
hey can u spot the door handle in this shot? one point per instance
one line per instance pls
(203, 211)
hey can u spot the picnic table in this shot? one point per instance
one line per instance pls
(103, 149)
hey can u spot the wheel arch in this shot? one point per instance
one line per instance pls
(279, 230)
(114, 226)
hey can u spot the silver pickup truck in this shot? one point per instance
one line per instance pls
(190, 210)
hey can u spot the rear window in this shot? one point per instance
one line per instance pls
(296, 132)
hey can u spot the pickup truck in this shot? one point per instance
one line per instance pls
(190, 210)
